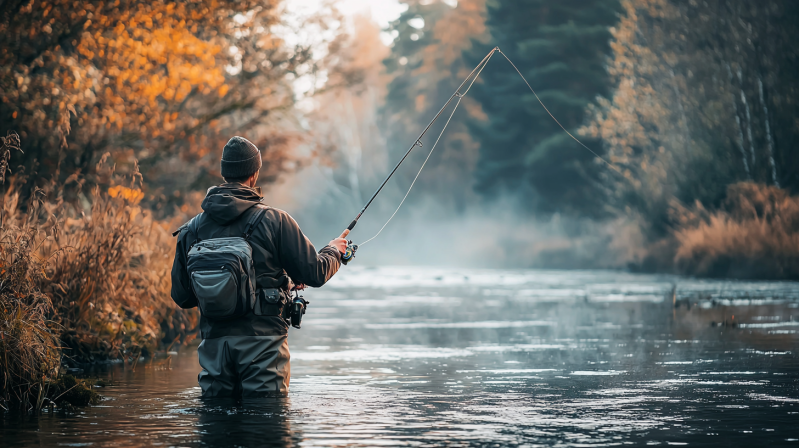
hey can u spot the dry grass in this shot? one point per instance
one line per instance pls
(110, 283)
(755, 234)
(29, 349)
(81, 281)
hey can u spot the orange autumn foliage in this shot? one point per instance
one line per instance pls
(754, 234)
(164, 83)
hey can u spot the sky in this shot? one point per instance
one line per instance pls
(382, 11)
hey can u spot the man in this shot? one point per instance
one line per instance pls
(248, 355)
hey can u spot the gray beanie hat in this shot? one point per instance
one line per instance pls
(240, 158)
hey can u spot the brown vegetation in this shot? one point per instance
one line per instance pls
(30, 354)
(29, 347)
(754, 234)
(81, 281)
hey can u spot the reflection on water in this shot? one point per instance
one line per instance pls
(430, 357)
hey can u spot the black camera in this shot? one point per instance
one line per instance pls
(297, 309)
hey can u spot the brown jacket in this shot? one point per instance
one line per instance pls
(281, 254)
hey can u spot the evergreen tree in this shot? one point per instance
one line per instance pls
(426, 65)
(561, 48)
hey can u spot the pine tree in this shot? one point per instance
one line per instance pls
(561, 48)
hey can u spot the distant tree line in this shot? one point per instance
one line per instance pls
(704, 84)
(706, 96)
(685, 101)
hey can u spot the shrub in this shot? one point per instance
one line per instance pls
(80, 281)
(29, 347)
(110, 280)
(754, 234)
(29, 350)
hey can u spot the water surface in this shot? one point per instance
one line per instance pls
(447, 357)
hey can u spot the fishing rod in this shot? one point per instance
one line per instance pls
(352, 248)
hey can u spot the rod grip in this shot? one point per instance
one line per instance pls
(352, 224)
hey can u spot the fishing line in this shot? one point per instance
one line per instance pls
(417, 174)
(476, 72)
(553, 117)
(460, 97)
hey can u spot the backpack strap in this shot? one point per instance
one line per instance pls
(192, 225)
(254, 220)
(180, 229)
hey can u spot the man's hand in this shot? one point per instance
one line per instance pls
(340, 244)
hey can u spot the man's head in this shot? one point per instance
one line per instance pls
(241, 161)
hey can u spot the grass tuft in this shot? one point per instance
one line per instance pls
(754, 234)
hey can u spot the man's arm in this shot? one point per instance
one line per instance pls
(182, 293)
(300, 259)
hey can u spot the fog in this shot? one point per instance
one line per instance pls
(426, 231)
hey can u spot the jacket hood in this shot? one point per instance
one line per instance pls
(226, 202)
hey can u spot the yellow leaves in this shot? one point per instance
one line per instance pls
(131, 195)
(133, 66)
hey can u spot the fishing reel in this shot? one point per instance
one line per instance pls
(297, 309)
(350, 253)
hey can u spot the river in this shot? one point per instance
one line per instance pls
(449, 357)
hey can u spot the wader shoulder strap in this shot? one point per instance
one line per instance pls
(254, 220)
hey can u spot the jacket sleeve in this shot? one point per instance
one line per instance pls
(299, 257)
(182, 293)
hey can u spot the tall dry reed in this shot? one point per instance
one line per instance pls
(30, 352)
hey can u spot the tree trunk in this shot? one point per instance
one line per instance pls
(769, 139)
(738, 125)
(748, 119)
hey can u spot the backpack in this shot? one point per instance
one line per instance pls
(222, 271)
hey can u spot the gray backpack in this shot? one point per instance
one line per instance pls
(222, 271)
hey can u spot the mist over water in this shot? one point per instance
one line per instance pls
(409, 356)
(429, 231)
